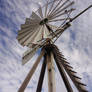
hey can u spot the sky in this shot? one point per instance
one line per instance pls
(75, 44)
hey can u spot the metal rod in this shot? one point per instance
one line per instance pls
(80, 13)
(64, 77)
(31, 72)
(41, 78)
(50, 29)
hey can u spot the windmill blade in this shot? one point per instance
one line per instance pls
(24, 26)
(22, 31)
(65, 8)
(55, 7)
(46, 32)
(59, 13)
(30, 20)
(27, 21)
(40, 12)
(24, 39)
(35, 16)
(36, 34)
(29, 54)
(60, 7)
(39, 35)
(51, 7)
(59, 19)
(62, 13)
(46, 8)
(25, 32)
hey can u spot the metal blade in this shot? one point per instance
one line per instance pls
(51, 7)
(64, 9)
(32, 37)
(25, 32)
(59, 19)
(23, 40)
(63, 13)
(46, 8)
(39, 36)
(60, 7)
(55, 7)
(46, 32)
(22, 31)
(40, 12)
(35, 16)
(29, 54)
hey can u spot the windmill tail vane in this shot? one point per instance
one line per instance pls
(42, 30)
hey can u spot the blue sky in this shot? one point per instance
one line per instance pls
(75, 43)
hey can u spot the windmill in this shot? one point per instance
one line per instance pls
(41, 30)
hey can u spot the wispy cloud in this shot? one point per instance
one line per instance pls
(75, 43)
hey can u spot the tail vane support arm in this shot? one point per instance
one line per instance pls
(80, 13)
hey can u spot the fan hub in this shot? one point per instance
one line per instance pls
(44, 21)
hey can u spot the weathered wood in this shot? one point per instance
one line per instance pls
(41, 78)
(51, 73)
(64, 77)
(76, 80)
(31, 72)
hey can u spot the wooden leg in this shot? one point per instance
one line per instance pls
(51, 73)
(27, 79)
(41, 78)
(64, 77)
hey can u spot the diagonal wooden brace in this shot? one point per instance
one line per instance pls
(31, 72)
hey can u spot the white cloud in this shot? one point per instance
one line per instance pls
(76, 49)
